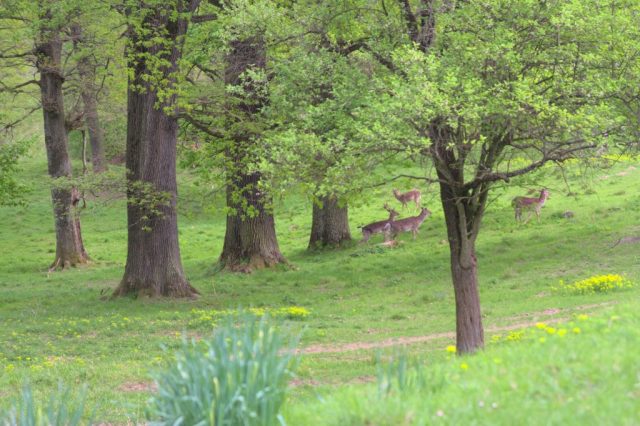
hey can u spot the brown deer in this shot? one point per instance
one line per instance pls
(383, 226)
(413, 195)
(409, 224)
(533, 205)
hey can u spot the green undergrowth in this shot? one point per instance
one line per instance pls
(582, 372)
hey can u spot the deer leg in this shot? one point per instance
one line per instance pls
(528, 217)
(365, 236)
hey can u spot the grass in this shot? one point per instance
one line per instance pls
(583, 372)
(61, 325)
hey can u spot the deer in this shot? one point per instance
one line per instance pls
(383, 226)
(413, 195)
(409, 224)
(534, 205)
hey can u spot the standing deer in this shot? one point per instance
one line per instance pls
(413, 195)
(409, 224)
(383, 226)
(531, 204)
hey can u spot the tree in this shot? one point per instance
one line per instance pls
(87, 69)
(47, 26)
(491, 91)
(250, 240)
(156, 32)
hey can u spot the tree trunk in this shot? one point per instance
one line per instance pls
(330, 224)
(464, 272)
(96, 135)
(89, 93)
(69, 247)
(154, 267)
(250, 240)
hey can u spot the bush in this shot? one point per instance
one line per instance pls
(63, 409)
(239, 377)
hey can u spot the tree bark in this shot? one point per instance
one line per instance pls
(463, 213)
(329, 224)
(464, 269)
(250, 239)
(89, 93)
(154, 267)
(70, 249)
(96, 135)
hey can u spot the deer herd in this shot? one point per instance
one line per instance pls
(391, 227)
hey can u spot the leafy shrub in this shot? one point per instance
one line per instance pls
(63, 409)
(239, 377)
(596, 284)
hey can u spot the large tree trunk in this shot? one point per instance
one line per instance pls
(69, 247)
(464, 271)
(250, 240)
(89, 93)
(329, 224)
(154, 267)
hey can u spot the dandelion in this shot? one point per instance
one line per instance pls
(464, 366)
(582, 317)
(541, 325)
(576, 330)
(451, 349)
(550, 330)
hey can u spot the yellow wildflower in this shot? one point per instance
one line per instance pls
(451, 349)
(464, 366)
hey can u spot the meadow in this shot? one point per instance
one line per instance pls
(350, 305)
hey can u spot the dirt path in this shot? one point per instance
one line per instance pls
(411, 340)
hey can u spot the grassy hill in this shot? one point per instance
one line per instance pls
(361, 299)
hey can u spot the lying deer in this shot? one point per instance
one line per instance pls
(409, 224)
(381, 227)
(404, 198)
(531, 204)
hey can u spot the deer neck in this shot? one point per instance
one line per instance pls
(543, 198)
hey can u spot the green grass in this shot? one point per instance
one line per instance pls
(61, 325)
(584, 372)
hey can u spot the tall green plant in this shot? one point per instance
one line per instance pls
(63, 409)
(239, 377)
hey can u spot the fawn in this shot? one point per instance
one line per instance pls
(413, 195)
(383, 226)
(409, 224)
(534, 205)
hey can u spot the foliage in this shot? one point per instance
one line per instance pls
(596, 284)
(238, 377)
(12, 190)
(64, 408)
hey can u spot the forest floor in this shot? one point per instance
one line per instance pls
(364, 300)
